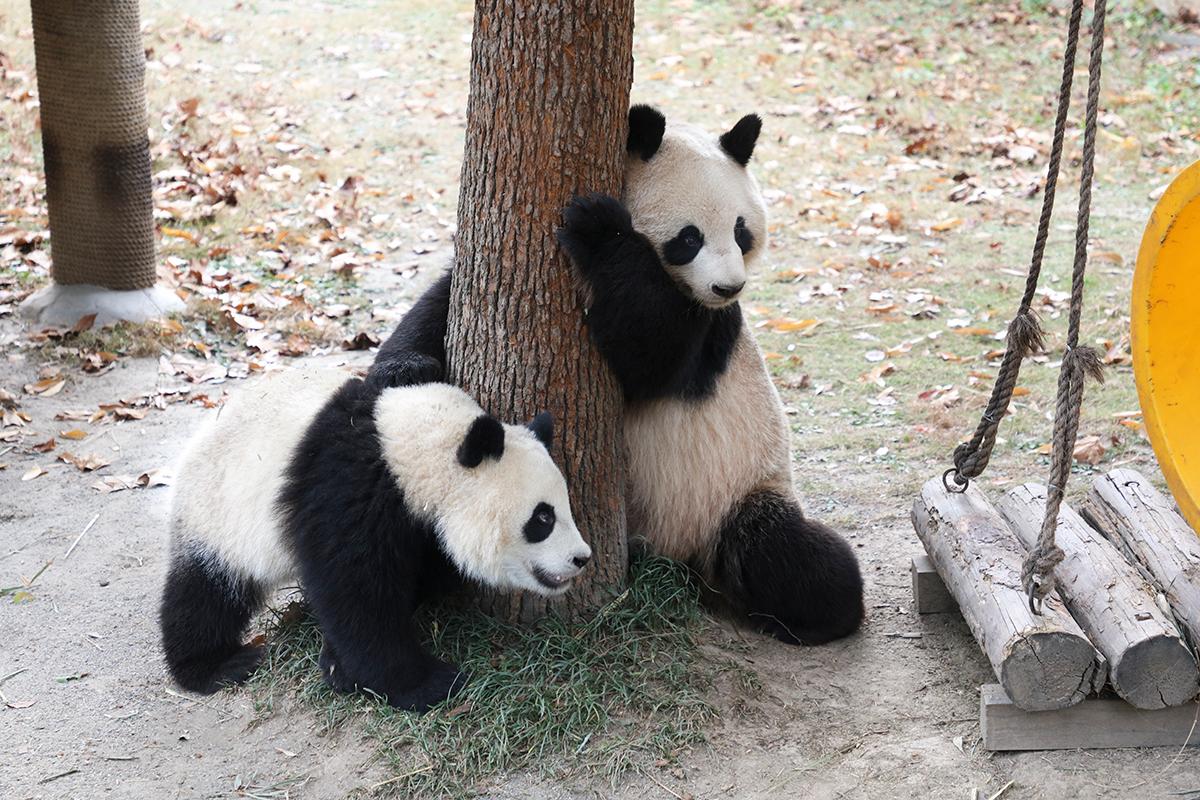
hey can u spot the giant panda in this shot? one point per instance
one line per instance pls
(709, 459)
(373, 498)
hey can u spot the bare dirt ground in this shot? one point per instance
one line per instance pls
(306, 173)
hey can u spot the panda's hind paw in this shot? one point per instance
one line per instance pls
(443, 682)
(589, 223)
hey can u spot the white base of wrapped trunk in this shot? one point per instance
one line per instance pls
(65, 305)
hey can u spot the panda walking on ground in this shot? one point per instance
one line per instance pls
(709, 459)
(373, 498)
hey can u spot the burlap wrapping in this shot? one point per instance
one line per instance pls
(91, 78)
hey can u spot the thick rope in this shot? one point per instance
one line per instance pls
(1024, 332)
(91, 66)
(1037, 573)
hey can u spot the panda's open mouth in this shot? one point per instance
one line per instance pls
(552, 582)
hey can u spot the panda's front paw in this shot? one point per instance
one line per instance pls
(410, 370)
(589, 224)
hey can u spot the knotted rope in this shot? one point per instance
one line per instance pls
(1025, 331)
(1037, 573)
(1025, 335)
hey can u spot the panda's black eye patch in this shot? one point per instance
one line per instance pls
(684, 247)
(540, 524)
(743, 236)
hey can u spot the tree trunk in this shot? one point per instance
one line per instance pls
(546, 120)
(90, 69)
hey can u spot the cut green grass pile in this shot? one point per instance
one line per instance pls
(618, 691)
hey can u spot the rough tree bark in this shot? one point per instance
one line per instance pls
(546, 120)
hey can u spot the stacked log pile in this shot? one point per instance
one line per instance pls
(1121, 629)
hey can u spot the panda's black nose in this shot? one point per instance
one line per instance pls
(727, 290)
(581, 561)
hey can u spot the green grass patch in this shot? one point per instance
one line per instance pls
(618, 691)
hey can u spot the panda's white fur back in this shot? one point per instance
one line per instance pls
(232, 470)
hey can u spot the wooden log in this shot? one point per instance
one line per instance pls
(1144, 525)
(1149, 664)
(929, 593)
(1044, 662)
(1097, 722)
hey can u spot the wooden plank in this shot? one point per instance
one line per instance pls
(1097, 722)
(1044, 662)
(1146, 528)
(1149, 665)
(929, 593)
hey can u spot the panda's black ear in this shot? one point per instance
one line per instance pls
(543, 428)
(646, 127)
(739, 140)
(484, 439)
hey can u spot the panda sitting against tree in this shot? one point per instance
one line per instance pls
(708, 453)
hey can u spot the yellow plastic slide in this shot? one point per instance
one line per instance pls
(1166, 337)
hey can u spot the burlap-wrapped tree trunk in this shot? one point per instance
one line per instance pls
(90, 70)
(546, 120)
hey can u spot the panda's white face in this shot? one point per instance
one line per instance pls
(539, 547)
(701, 209)
(495, 496)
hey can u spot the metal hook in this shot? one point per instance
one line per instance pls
(960, 483)
(1035, 603)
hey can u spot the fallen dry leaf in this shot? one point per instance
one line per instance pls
(361, 341)
(46, 387)
(877, 374)
(95, 363)
(115, 483)
(75, 434)
(33, 472)
(941, 396)
(159, 476)
(85, 463)
(14, 418)
(784, 325)
(1089, 450)
(179, 233)
(84, 323)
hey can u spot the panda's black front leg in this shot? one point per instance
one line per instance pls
(646, 328)
(416, 351)
(374, 647)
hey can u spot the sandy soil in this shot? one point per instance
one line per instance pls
(93, 713)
